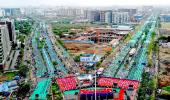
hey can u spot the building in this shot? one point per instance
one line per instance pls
(10, 28)
(165, 17)
(1, 13)
(102, 16)
(5, 46)
(11, 11)
(120, 17)
(93, 16)
(105, 35)
(106, 16)
(138, 17)
(130, 11)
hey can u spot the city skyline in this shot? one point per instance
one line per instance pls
(81, 3)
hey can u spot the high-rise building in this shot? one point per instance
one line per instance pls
(106, 16)
(5, 46)
(94, 16)
(120, 17)
(130, 11)
(1, 13)
(11, 29)
(11, 11)
(165, 17)
(85, 14)
(102, 16)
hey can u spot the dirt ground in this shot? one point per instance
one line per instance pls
(164, 73)
(76, 48)
(165, 25)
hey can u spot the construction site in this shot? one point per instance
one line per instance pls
(98, 40)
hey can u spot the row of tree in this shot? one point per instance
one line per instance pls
(147, 87)
(24, 27)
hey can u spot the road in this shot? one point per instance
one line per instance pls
(107, 61)
(62, 53)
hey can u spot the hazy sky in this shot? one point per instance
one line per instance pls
(17, 3)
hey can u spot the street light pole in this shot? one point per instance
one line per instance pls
(95, 71)
(95, 78)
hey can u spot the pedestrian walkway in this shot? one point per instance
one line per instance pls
(41, 89)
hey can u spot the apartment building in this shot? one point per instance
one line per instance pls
(11, 29)
(5, 45)
(120, 17)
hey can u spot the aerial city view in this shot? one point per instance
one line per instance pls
(84, 50)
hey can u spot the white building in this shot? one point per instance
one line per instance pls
(120, 17)
(11, 29)
(108, 17)
(1, 13)
(5, 45)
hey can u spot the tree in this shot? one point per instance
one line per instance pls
(60, 42)
(98, 64)
(146, 31)
(153, 35)
(24, 88)
(163, 38)
(24, 27)
(57, 32)
(77, 58)
(108, 53)
(23, 70)
(21, 38)
(54, 63)
(72, 33)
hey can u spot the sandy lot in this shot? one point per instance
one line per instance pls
(164, 74)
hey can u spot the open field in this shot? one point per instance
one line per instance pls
(76, 48)
(165, 25)
(164, 74)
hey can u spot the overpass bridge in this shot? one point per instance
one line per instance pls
(53, 55)
(38, 59)
(117, 67)
(44, 64)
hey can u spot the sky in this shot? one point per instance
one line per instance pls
(84, 3)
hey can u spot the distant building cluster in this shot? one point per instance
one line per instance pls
(120, 16)
(9, 12)
(109, 16)
(165, 17)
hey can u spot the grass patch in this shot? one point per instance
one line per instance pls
(41, 44)
(10, 75)
(165, 92)
(152, 46)
(167, 88)
(7, 76)
(61, 42)
(128, 37)
(57, 94)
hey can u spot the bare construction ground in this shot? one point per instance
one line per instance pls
(76, 48)
(164, 73)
